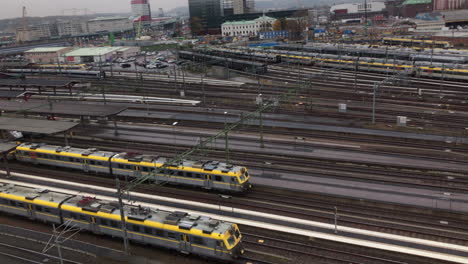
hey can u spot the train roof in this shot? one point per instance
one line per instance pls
(203, 165)
(38, 196)
(152, 217)
(246, 62)
(148, 216)
(92, 152)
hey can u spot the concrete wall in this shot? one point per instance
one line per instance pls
(46, 57)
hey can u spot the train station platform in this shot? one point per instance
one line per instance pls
(39, 126)
(14, 94)
(396, 243)
(285, 121)
(40, 84)
(5, 148)
(62, 108)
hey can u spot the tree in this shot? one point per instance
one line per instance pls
(298, 23)
(280, 24)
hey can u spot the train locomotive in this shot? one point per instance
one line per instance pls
(180, 231)
(211, 175)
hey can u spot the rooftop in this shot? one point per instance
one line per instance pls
(243, 22)
(45, 49)
(34, 83)
(107, 18)
(455, 15)
(35, 125)
(98, 51)
(7, 147)
(62, 108)
(12, 94)
(416, 2)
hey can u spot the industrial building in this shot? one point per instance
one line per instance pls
(100, 54)
(109, 24)
(442, 5)
(70, 27)
(141, 11)
(410, 8)
(373, 10)
(46, 54)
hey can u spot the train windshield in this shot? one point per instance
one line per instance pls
(244, 176)
(231, 240)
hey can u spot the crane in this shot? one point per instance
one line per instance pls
(139, 29)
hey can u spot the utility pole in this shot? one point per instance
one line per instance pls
(226, 137)
(59, 237)
(122, 217)
(365, 17)
(365, 12)
(262, 143)
(336, 220)
(376, 87)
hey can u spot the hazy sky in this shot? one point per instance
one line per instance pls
(12, 8)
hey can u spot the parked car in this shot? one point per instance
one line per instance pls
(125, 65)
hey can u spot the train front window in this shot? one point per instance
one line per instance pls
(231, 241)
(237, 233)
(242, 178)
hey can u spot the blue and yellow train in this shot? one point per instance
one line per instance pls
(180, 231)
(211, 175)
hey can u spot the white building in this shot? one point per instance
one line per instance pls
(109, 24)
(100, 54)
(249, 27)
(352, 8)
(429, 26)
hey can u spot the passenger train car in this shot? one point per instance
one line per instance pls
(60, 66)
(67, 73)
(416, 43)
(436, 69)
(211, 175)
(180, 231)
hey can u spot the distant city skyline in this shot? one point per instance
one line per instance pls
(13, 8)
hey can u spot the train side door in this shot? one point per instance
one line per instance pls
(33, 157)
(232, 182)
(31, 213)
(85, 165)
(137, 172)
(185, 246)
(93, 224)
(208, 181)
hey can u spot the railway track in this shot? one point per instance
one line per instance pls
(235, 97)
(283, 249)
(450, 182)
(302, 250)
(304, 206)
